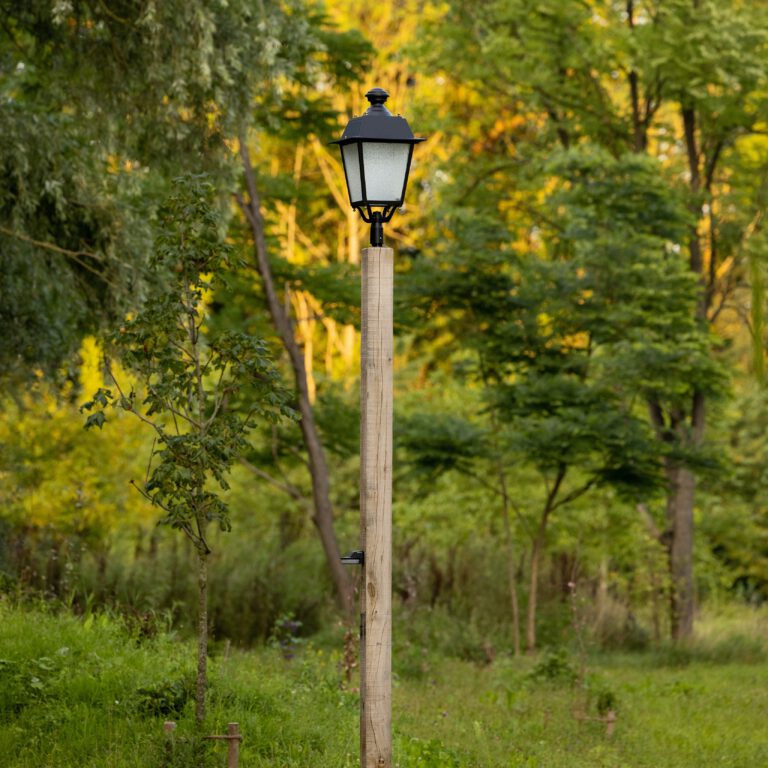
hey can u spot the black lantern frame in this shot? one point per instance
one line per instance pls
(377, 126)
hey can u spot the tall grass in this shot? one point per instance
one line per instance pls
(95, 692)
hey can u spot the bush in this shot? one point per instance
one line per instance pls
(555, 667)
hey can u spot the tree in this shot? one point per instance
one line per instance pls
(195, 400)
(567, 340)
(145, 93)
(102, 108)
(681, 81)
(318, 467)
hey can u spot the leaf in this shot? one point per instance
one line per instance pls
(95, 420)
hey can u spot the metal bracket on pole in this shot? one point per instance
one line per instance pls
(354, 558)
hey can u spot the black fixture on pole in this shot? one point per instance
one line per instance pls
(376, 150)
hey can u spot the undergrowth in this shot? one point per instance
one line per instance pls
(95, 691)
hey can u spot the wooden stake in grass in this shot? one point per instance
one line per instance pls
(376, 509)
(233, 737)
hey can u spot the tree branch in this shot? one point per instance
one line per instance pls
(73, 255)
(288, 488)
(552, 492)
(574, 494)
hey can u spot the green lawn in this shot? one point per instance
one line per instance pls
(699, 716)
(88, 693)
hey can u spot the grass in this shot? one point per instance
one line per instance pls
(700, 715)
(92, 693)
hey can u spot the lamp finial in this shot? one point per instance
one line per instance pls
(377, 96)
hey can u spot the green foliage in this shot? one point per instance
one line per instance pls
(194, 387)
(28, 681)
(556, 667)
(424, 636)
(545, 296)
(606, 702)
(566, 345)
(439, 443)
(69, 239)
(102, 108)
(415, 753)
(166, 699)
(286, 635)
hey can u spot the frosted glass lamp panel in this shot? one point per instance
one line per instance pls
(385, 167)
(352, 167)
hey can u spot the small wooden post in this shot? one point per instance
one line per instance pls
(168, 728)
(233, 738)
(376, 508)
(233, 752)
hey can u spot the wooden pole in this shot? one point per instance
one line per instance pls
(376, 509)
(233, 737)
(233, 751)
(169, 727)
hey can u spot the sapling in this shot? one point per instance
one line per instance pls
(201, 393)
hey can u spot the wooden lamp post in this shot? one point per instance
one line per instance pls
(376, 150)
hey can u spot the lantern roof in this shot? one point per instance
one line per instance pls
(378, 124)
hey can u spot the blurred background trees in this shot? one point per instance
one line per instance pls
(580, 323)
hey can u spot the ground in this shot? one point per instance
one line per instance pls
(93, 692)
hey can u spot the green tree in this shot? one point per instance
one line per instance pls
(681, 81)
(568, 341)
(103, 107)
(194, 395)
(130, 97)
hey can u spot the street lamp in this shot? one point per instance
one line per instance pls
(376, 150)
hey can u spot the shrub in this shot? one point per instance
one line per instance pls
(555, 667)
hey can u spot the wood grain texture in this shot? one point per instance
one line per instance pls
(376, 508)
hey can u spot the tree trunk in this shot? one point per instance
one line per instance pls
(511, 566)
(680, 551)
(533, 590)
(757, 317)
(601, 598)
(202, 636)
(538, 548)
(514, 604)
(318, 468)
(689, 428)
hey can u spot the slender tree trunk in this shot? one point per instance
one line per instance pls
(202, 636)
(533, 591)
(602, 595)
(689, 427)
(757, 316)
(511, 565)
(656, 594)
(536, 552)
(318, 467)
(174, 585)
(680, 551)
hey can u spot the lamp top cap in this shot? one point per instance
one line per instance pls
(377, 96)
(378, 124)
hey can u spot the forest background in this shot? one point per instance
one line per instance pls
(580, 401)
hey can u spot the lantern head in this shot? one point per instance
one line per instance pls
(376, 150)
